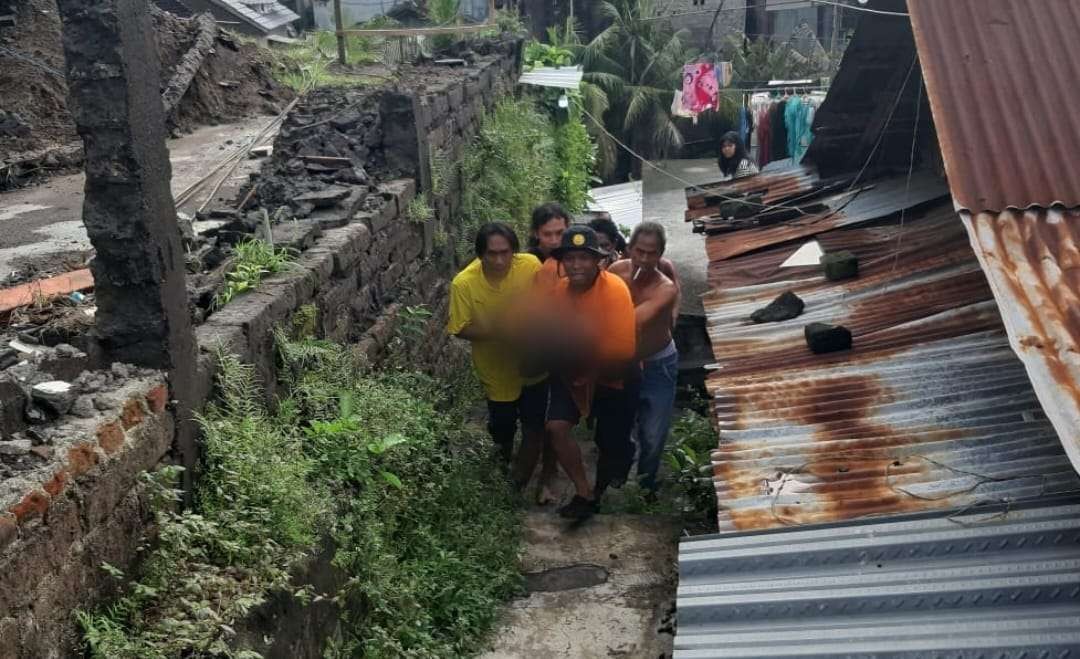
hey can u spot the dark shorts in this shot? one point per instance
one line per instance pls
(561, 405)
(529, 408)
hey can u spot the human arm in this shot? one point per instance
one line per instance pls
(464, 322)
(668, 268)
(660, 302)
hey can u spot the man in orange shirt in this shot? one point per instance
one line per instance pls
(587, 358)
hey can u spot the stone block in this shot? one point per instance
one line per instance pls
(785, 307)
(301, 280)
(157, 398)
(349, 244)
(823, 338)
(840, 265)
(319, 261)
(132, 414)
(110, 435)
(212, 336)
(402, 191)
(324, 198)
(389, 279)
(455, 94)
(296, 235)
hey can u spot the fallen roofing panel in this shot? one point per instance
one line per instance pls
(929, 410)
(274, 17)
(1004, 91)
(564, 77)
(622, 202)
(1002, 582)
(1032, 259)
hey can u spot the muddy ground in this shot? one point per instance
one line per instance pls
(235, 81)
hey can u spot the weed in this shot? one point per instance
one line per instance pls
(254, 259)
(388, 465)
(419, 210)
(689, 456)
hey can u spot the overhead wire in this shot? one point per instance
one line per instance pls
(794, 4)
(911, 168)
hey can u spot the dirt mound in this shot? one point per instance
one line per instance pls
(233, 80)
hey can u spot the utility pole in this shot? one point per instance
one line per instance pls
(340, 32)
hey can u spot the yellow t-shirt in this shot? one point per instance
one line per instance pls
(472, 296)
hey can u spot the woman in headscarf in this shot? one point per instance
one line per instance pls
(733, 161)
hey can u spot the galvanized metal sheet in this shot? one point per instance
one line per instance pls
(623, 202)
(1004, 87)
(563, 77)
(1001, 582)
(1032, 261)
(275, 15)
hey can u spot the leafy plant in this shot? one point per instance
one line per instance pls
(444, 13)
(508, 167)
(637, 62)
(419, 210)
(688, 453)
(575, 159)
(254, 259)
(546, 54)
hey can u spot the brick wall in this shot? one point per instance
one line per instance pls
(85, 507)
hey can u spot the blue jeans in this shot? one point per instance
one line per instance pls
(656, 404)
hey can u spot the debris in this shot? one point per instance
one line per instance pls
(77, 297)
(56, 395)
(328, 161)
(260, 151)
(324, 198)
(45, 289)
(8, 357)
(84, 407)
(16, 447)
(451, 61)
(840, 265)
(25, 349)
(66, 350)
(785, 307)
(823, 338)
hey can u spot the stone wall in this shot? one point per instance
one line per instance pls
(83, 505)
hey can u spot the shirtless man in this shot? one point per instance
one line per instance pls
(655, 296)
(611, 241)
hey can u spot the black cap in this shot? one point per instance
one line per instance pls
(579, 238)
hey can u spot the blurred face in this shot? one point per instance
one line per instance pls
(645, 253)
(728, 149)
(549, 235)
(605, 242)
(497, 257)
(581, 268)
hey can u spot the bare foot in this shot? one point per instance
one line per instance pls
(545, 495)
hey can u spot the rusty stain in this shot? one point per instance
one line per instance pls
(930, 383)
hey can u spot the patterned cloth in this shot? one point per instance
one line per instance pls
(700, 89)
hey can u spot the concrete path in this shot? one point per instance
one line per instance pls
(39, 222)
(603, 589)
(665, 202)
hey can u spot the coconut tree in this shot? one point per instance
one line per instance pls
(637, 62)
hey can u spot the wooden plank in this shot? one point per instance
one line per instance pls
(419, 31)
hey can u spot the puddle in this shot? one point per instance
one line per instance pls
(565, 578)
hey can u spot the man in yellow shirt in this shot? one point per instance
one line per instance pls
(480, 296)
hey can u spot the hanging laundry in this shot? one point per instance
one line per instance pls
(677, 109)
(701, 89)
(779, 143)
(746, 126)
(724, 74)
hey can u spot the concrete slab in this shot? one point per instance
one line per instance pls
(621, 617)
(665, 202)
(47, 219)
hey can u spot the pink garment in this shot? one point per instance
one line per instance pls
(700, 88)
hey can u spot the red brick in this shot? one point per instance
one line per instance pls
(34, 504)
(157, 397)
(132, 414)
(56, 484)
(110, 436)
(9, 529)
(81, 458)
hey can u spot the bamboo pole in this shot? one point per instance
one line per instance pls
(338, 23)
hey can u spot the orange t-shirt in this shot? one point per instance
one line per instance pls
(608, 313)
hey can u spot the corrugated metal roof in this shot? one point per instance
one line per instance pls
(1032, 260)
(276, 16)
(623, 202)
(929, 410)
(1004, 90)
(564, 77)
(1001, 583)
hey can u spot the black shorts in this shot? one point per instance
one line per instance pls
(529, 408)
(561, 405)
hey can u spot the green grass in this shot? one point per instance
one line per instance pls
(309, 65)
(254, 260)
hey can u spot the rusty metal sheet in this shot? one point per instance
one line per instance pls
(868, 201)
(929, 410)
(1032, 259)
(1004, 88)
